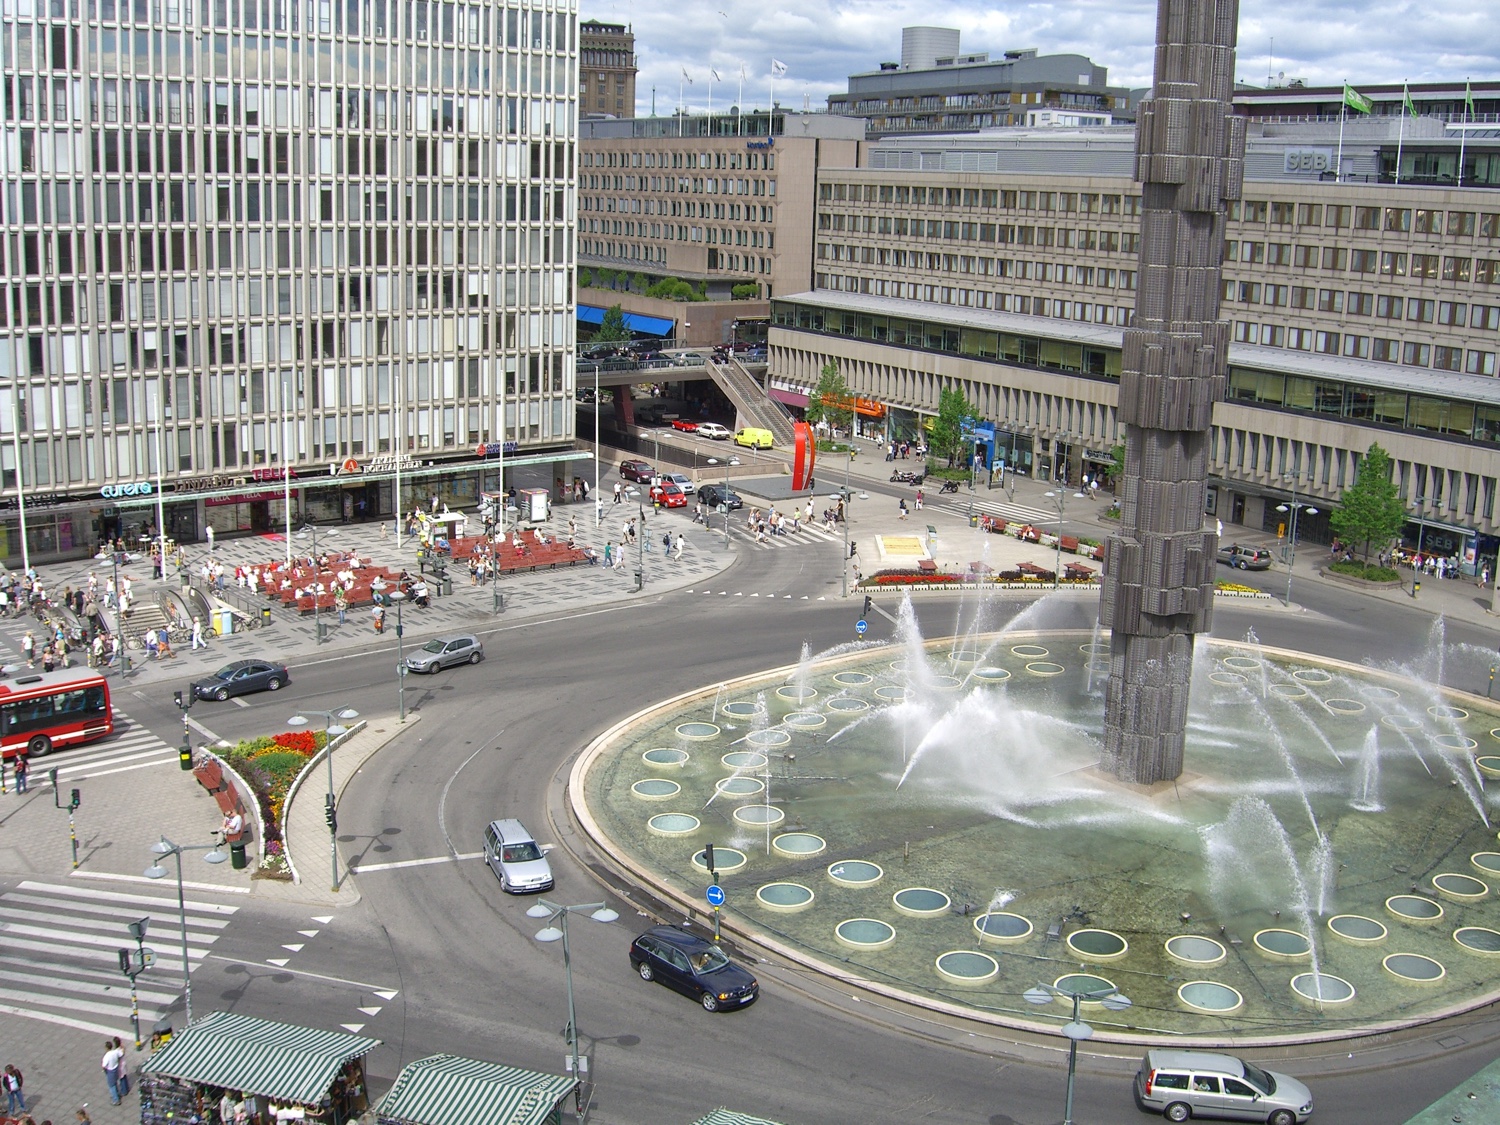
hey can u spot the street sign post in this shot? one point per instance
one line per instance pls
(861, 626)
(716, 898)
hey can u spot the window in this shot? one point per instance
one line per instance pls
(1335, 259)
(1452, 313)
(1392, 264)
(1309, 214)
(1425, 265)
(1281, 214)
(1357, 347)
(1457, 269)
(1419, 310)
(1461, 223)
(1365, 218)
(1305, 257)
(1398, 218)
(1389, 308)
(1485, 317)
(1417, 355)
(1429, 222)
(1386, 351)
(1330, 300)
(1303, 297)
(1279, 253)
(1447, 359)
(1255, 211)
(1253, 252)
(1480, 363)
(1337, 215)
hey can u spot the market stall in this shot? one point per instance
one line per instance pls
(450, 1090)
(229, 1069)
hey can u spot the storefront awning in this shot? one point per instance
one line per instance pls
(723, 1116)
(450, 1090)
(636, 322)
(276, 1060)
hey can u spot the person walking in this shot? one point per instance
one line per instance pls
(124, 1067)
(28, 648)
(902, 508)
(15, 1095)
(198, 641)
(341, 604)
(919, 499)
(378, 614)
(22, 771)
(609, 554)
(678, 545)
(111, 1064)
(619, 491)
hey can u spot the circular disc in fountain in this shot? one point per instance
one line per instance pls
(1320, 818)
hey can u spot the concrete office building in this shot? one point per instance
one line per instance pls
(606, 69)
(253, 237)
(935, 88)
(1005, 265)
(721, 200)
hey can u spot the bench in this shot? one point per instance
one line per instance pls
(927, 566)
(1068, 543)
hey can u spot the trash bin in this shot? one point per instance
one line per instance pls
(223, 622)
(446, 582)
(974, 519)
(265, 615)
(237, 854)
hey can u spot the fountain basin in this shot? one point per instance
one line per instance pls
(1460, 888)
(1210, 997)
(1322, 990)
(1191, 949)
(1001, 928)
(798, 844)
(1478, 939)
(758, 816)
(665, 758)
(1097, 945)
(1357, 929)
(744, 760)
(787, 898)
(1283, 945)
(921, 902)
(1413, 968)
(855, 873)
(655, 789)
(1488, 764)
(865, 933)
(1414, 908)
(967, 967)
(673, 824)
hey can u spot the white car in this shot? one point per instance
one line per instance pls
(713, 430)
(681, 480)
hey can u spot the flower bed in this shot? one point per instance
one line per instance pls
(269, 765)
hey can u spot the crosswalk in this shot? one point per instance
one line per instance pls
(1011, 513)
(59, 959)
(806, 533)
(131, 747)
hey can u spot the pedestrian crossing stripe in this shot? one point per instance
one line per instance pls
(1011, 512)
(59, 960)
(131, 747)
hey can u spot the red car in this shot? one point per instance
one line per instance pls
(684, 425)
(668, 496)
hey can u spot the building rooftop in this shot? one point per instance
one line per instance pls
(726, 127)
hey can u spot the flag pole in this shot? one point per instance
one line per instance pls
(740, 117)
(1338, 170)
(1401, 131)
(1463, 136)
(681, 112)
(710, 101)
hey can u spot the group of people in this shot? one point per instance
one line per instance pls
(901, 450)
(771, 522)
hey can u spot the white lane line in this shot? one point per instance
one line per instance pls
(61, 1021)
(378, 989)
(215, 888)
(362, 868)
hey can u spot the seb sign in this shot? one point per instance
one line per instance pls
(1308, 161)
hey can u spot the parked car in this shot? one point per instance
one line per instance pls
(713, 430)
(516, 858)
(1245, 558)
(754, 437)
(685, 425)
(693, 966)
(638, 471)
(715, 494)
(1184, 1084)
(681, 480)
(444, 652)
(668, 495)
(241, 677)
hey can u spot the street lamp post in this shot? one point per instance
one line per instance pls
(725, 498)
(20, 480)
(553, 912)
(598, 503)
(165, 847)
(332, 728)
(1296, 508)
(119, 634)
(1059, 497)
(1077, 1030)
(397, 597)
(846, 498)
(317, 570)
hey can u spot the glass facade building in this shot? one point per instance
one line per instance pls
(247, 238)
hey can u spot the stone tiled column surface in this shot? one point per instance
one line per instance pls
(1159, 566)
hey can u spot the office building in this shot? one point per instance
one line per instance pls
(1005, 265)
(606, 69)
(723, 201)
(937, 89)
(255, 238)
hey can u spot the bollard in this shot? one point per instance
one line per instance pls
(1416, 587)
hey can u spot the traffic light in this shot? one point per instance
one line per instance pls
(330, 814)
(177, 699)
(869, 601)
(708, 856)
(125, 961)
(76, 800)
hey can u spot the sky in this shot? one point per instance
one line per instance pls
(823, 41)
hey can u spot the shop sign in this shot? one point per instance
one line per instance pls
(263, 475)
(495, 448)
(382, 463)
(134, 488)
(242, 498)
(348, 467)
(769, 142)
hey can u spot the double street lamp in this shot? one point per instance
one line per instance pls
(553, 912)
(396, 597)
(1076, 1030)
(1296, 508)
(165, 847)
(317, 571)
(724, 497)
(332, 729)
(1059, 498)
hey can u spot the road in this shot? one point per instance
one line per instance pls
(435, 958)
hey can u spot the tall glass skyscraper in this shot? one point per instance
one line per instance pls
(242, 237)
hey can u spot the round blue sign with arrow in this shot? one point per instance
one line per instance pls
(860, 626)
(715, 895)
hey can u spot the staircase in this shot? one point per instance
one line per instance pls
(755, 407)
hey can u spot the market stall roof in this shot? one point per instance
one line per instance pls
(722, 1116)
(450, 1090)
(276, 1060)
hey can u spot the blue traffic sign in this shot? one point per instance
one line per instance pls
(860, 626)
(715, 895)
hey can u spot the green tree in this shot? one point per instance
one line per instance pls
(585, 279)
(745, 291)
(613, 328)
(1116, 463)
(1370, 512)
(672, 289)
(831, 401)
(640, 283)
(946, 431)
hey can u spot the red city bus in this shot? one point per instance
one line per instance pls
(46, 711)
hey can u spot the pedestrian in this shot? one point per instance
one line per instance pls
(378, 614)
(22, 770)
(619, 491)
(666, 543)
(1484, 577)
(111, 1063)
(620, 556)
(919, 499)
(28, 648)
(609, 554)
(15, 1096)
(678, 545)
(96, 651)
(164, 644)
(82, 1116)
(902, 508)
(341, 604)
(124, 1068)
(198, 641)
(598, 510)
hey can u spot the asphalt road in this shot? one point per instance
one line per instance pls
(469, 977)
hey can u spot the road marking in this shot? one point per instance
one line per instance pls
(354, 1028)
(238, 702)
(379, 989)
(363, 868)
(142, 879)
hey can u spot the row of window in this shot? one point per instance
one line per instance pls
(1408, 353)
(735, 212)
(719, 160)
(1024, 304)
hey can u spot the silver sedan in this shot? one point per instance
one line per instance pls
(444, 652)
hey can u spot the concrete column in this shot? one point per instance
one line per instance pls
(1159, 566)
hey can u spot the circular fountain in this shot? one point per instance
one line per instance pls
(894, 814)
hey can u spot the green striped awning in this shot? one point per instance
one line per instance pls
(275, 1060)
(722, 1116)
(449, 1090)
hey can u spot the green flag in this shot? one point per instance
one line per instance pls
(1406, 101)
(1357, 101)
(1468, 99)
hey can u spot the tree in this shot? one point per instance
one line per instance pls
(1371, 511)
(831, 401)
(745, 291)
(1116, 463)
(613, 328)
(946, 432)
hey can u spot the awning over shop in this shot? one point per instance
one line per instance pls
(450, 1090)
(722, 1116)
(276, 1060)
(636, 322)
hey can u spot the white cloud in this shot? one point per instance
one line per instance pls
(824, 41)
